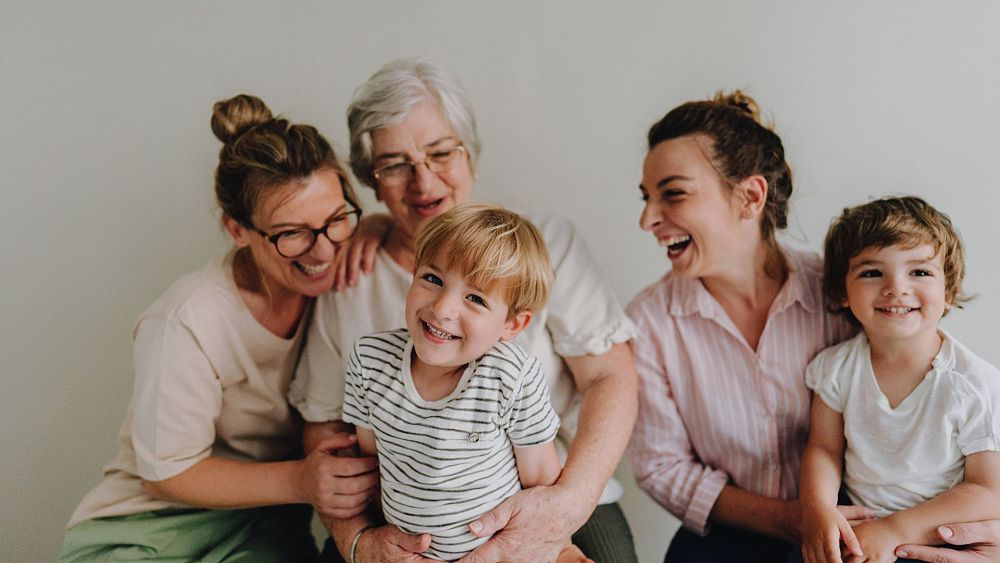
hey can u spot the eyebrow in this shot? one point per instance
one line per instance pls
(665, 181)
(877, 263)
(400, 154)
(330, 217)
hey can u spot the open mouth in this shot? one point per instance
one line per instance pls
(900, 311)
(437, 333)
(312, 269)
(429, 208)
(675, 244)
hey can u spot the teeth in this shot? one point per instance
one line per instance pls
(670, 241)
(312, 270)
(427, 205)
(897, 310)
(438, 333)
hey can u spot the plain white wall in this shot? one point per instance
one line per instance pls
(106, 159)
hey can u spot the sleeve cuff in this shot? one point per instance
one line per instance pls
(597, 344)
(312, 412)
(708, 491)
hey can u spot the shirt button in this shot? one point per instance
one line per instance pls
(473, 438)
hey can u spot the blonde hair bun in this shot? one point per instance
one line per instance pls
(237, 115)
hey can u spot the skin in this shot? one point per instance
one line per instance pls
(897, 293)
(711, 231)
(522, 526)
(275, 290)
(980, 543)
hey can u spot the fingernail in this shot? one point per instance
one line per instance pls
(476, 526)
(902, 553)
(945, 532)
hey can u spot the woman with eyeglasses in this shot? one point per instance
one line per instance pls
(207, 467)
(414, 141)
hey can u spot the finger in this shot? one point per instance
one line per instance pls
(412, 543)
(354, 257)
(851, 512)
(363, 484)
(340, 280)
(851, 542)
(336, 441)
(934, 554)
(970, 532)
(492, 521)
(368, 257)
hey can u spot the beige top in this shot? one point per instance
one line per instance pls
(209, 381)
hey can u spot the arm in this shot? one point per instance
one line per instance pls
(537, 465)
(823, 525)
(362, 247)
(607, 383)
(975, 498)
(980, 543)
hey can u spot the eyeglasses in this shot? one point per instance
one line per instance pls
(400, 173)
(297, 242)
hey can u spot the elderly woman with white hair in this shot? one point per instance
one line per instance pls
(414, 141)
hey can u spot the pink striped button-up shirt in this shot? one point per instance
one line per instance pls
(712, 410)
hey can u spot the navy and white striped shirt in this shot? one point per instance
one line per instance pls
(445, 463)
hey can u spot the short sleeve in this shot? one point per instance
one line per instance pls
(529, 419)
(584, 316)
(979, 430)
(826, 379)
(176, 402)
(356, 409)
(317, 390)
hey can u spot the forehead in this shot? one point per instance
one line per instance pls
(422, 126)
(921, 252)
(304, 200)
(685, 156)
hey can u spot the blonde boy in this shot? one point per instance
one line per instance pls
(459, 416)
(906, 413)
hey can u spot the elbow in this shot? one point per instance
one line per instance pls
(155, 490)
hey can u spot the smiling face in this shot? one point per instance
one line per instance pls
(427, 194)
(311, 203)
(690, 209)
(897, 293)
(452, 323)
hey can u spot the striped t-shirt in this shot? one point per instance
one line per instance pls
(445, 463)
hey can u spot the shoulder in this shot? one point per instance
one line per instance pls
(198, 298)
(390, 341)
(654, 304)
(982, 376)
(509, 360)
(843, 353)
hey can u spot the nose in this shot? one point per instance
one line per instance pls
(445, 306)
(650, 217)
(324, 249)
(895, 285)
(423, 178)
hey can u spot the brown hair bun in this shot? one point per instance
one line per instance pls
(237, 115)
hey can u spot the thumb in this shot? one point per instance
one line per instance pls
(418, 543)
(494, 520)
(337, 441)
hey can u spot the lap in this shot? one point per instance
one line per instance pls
(725, 544)
(279, 533)
(606, 536)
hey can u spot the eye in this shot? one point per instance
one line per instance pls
(441, 155)
(643, 195)
(294, 234)
(920, 272)
(432, 279)
(477, 300)
(395, 168)
(871, 273)
(667, 195)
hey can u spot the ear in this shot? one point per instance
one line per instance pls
(752, 192)
(239, 233)
(514, 325)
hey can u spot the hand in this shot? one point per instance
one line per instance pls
(359, 256)
(878, 540)
(340, 487)
(823, 527)
(390, 544)
(572, 554)
(981, 541)
(532, 525)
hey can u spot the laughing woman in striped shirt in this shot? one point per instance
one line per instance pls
(724, 338)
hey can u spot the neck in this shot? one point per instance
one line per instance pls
(274, 306)
(434, 383)
(753, 281)
(917, 352)
(402, 248)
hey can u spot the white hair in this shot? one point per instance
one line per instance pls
(387, 97)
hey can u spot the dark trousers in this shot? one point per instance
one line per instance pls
(725, 544)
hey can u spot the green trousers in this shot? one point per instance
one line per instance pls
(275, 533)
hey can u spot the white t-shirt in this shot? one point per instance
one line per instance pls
(898, 458)
(209, 381)
(582, 317)
(447, 462)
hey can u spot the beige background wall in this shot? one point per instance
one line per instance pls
(106, 159)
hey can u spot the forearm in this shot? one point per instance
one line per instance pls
(343, 530)
(608, 408)
(965, 502)
(537, 465)
(821, 475)
(316, 432)
(220, 483)
(764, 515)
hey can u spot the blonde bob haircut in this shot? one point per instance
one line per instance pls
(908, 221)
(493, 247)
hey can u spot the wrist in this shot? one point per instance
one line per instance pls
(573, 505)
(353, 552)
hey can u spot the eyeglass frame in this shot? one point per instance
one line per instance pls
(413, 165)
(324, 230)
